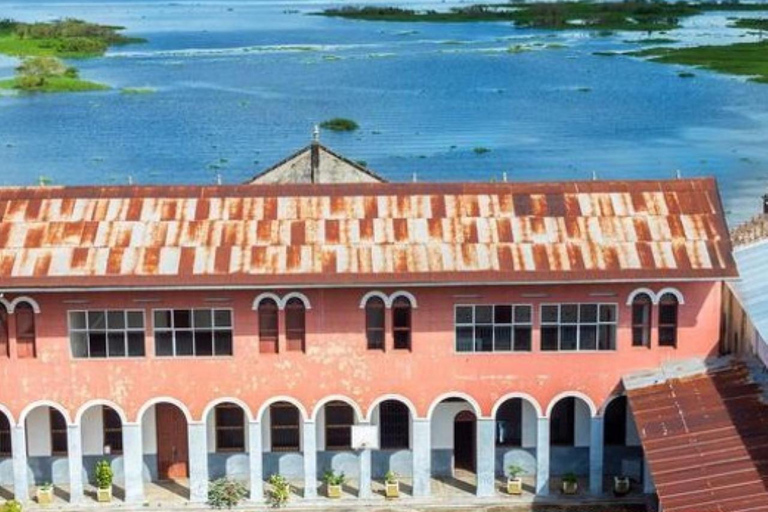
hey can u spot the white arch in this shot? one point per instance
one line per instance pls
(455, 394)
(98, 401)
(674, 291)
(407, 295)
(7, 412)
(341, 398)
(227, 400)
(6, 303)
(164, 400)
(375, 293)
(267, 295)
(44, 403)
(525, 396)
(611, 399)
(282, 398)
(574, 394)
(640, 291)
(32, 302)
(400, 398)
(296, 295)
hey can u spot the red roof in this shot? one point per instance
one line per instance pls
(381, 233)
(706, 441)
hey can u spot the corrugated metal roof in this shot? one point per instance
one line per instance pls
(363, 233)
(706, 441)
(752, 286)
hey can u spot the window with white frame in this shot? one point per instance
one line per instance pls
(494, 328)
(107, 333)
(193, 332)
(578, 326)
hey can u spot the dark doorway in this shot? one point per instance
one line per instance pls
(172, 443)
(464, 441)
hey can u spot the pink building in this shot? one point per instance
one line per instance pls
(178, 332)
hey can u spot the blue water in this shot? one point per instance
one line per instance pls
(239, 85)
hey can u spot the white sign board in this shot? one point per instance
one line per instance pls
(365, 437)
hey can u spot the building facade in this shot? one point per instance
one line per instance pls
(179, 331)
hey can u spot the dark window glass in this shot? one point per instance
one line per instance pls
(394, 425)
(285, 427)
(483, 314)
(99, 334)
(97, 344)
(295, 324)
(113, 430)
(185, 343)
(164, 343)
(199, 332)
(203, 343)
(268, 327)
(374, 323)
(502, 314)
(222, 343)
(25, 331)
(502, 338)
(339, 418)
(401, 323)
(588, 337)
(4, 343)
(615, 431)
(5, 436)
(641, 320)
(230, 428)
(509, 423)
(668, 307)
(549, 314)
(116, 344)
(58, 432)
(578, 327)
(523, 337)
(464, 315)
(136, 344)
(493, 328)
(562, 422)
(182, 318)
(549, 337)
(465, 339)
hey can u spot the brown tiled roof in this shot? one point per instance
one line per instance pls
(389, 233)
(754, 230)
(706, 441)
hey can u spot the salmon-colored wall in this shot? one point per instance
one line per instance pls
(336, 360)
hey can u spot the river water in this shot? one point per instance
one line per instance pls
(238, 86)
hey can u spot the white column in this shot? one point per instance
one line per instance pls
(596, 456)
(255, 460)
(486, 457)
(75, 459)
(198, 462)
(310, 460)
(19, 449)
(648, 487)
(422, 457)
(133, 462)
(365, 474)
(542, 456)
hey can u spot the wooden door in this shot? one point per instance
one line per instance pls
(172, 443)
(464, 441)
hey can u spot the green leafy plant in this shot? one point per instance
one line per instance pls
(280, 492)
(225, 493)
(330, 477)
(570, 478)
(104, 474)
(391, 477)
(11, 506)
(514, 471)
(46, 486)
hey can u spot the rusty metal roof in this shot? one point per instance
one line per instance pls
(706, 441)
(380, 233)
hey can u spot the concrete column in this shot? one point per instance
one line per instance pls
(648, 487)
(198, 462)
(75, 459)
(19, 452)
(596, 445)
(486, 457)
(310, 460)
(542, 457)
(422, 457)
(365, 474)
(255, 460)
(133, 463)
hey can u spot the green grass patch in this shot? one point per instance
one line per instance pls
(340, 124)
(481, 150)
(651, 40)
(138, 90)
(745, 59)
(606, 53)
(686, 74)
(752, 23)
(54, 84)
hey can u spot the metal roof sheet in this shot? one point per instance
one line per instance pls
(752, 286)
(706, 441)
(363, 233)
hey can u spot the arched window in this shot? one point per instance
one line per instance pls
(339, 418)
(401, 323)
(641, 320)
(374, 323)
(4, 351)
(562, 424)
(5, 436)
(394, 425)
(285, 427)
(668, 305)
(295, 326)
(25, 330)
(268, 327)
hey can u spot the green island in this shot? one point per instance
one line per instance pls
(745, 59)
(339, 124)
(48, 74)
(752, 23)
(630, 15)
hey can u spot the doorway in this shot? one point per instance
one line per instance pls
(464, 438)
(172, 443)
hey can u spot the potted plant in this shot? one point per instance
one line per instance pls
(570, 483)
(333, 483)
(621, 485)
(280, 492)
(514, 482)
(391, 485)
(104, 476)
(44, 494)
